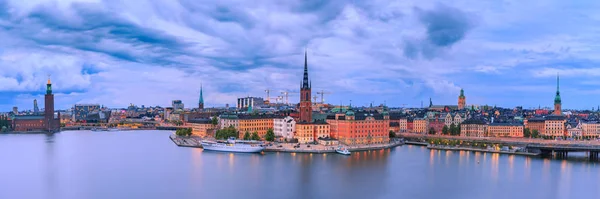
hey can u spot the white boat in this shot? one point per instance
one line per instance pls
(231, 145)
(343, 151)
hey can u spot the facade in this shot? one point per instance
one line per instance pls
(177, 105)
(403, 125)
(360, 128)
(590, 129)
(462, 100)
(473, 128)
(328, 141)
(304, 132)
(437, 124)
(555, 126)
(202, 127)
(574, 130)
(255, 123)
(246, 102)
(455, 119)
(557, 100)
(322, 129)
(284, 127)
(505, 130)
(538, 124)
(82, 111)
(420, 125)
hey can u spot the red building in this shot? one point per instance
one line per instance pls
(46, 122)
(360, 128)
(437, 124)
(305, 93)
(409, 124)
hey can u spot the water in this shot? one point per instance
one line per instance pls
(146, 164)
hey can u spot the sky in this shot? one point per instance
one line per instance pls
(401, 53)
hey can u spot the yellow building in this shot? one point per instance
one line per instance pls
(420, 125)
(255, 123)
(590, 129)
(304, 132)
(202, 127)
(555, 126)
(505, 130)
(473, 128)
(322, 130)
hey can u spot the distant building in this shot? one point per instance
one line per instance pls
(15, 110)
(177, 105)
(536, 123)
(202, 127)
(36, 109)
(505, 130)
(82, 111)
(47, 122)
(557, 100)
(246, 102)
(420, 125)
(473, 128)
(555, 126)
(360, 128)
(462, 100)
(255, 123)
(590, 129)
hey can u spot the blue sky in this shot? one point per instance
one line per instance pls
(504, 53)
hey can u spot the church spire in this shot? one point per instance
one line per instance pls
(557, 99)
(305, 82)
(201, 97)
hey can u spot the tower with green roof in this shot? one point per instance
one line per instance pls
(557, 100)
(201, 100)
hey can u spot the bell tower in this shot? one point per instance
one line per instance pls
(305, 95)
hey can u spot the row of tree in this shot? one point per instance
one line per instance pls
(531, 134)
(452, 130)
(226, 133)
(184, 132)
(5, 124)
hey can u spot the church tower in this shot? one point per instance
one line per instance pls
(462, 100)
(49, 121)
(557, 100)
(201, 100)
(305, 95)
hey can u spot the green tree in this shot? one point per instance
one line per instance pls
(526, 133)
(452, 129)
(247, 135)
(445, 130)
(270, 136)
(215, 120)
(457, 130)
(226, 133)
(432, 131)
(392, 134)
(255, 136)
(535, 133)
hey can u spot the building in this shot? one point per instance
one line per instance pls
(555, 126)
(82, 111)
(322, 129)
(420, 125)
(36, 109)
(574, 130)
(437, 124)
(360, 128)
(284, 127)
(255, 123)
(403, 125)
(229, 119)
(202, 127)
(201, 100)
(557, 100)
(505, 130)
(47, 122)
(15, 110)
(537, 123)
(455, 119)
(462, 100)
(246, 102)
(304, 132)
(473, 128)
(590, 129)
(177, 105)
(305, 94)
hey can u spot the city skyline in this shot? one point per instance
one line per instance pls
(395, 52)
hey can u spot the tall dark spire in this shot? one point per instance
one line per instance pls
(557, 99)
(305, 82)
(201, 100)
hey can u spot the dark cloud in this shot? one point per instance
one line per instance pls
(445, 25)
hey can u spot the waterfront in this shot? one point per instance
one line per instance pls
(146, 164)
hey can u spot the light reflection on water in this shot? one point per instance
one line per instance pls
(147, 165)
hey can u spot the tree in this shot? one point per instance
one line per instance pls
(432, 131)
(457, 130)
(226, 133)
(392, 134)
(452, 129)
(526, 133)
(445, 130)
(270, 136)
(183, 132)
(535, 133)
(255, 136)
(247, 135)
(215, 121)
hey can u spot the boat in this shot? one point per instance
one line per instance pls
(343, 151)
(233, 145)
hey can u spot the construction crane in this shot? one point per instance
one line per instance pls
(286, 94)
(315, 99)
(322, 93)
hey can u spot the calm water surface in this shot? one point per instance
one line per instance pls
(146, 164)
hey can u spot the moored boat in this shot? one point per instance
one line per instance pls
(343, 151)
(231, 145)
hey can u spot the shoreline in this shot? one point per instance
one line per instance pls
(193, 143)
(481, 150)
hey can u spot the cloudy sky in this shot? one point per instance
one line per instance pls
(114, 52)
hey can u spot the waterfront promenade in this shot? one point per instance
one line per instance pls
(289, 147)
